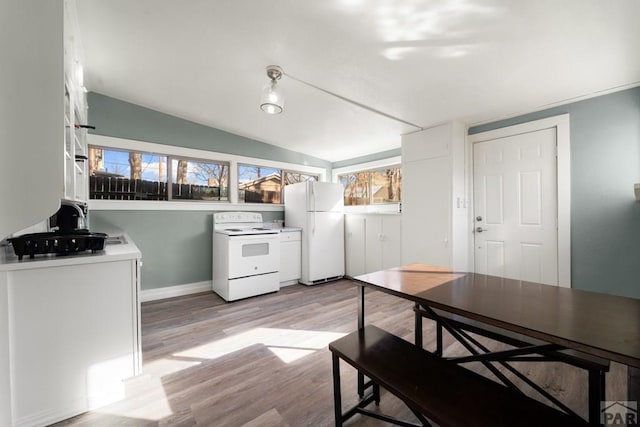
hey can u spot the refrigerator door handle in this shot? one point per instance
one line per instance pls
(313, 206)
(313, 195)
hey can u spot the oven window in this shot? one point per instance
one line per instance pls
(255, 249)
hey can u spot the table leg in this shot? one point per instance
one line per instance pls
(360, 328)
(360, 307)
(337, 395)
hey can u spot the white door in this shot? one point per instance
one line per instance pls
(515, 207)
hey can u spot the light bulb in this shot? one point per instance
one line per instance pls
(271, 100)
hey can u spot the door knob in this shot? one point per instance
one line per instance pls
(478, 218)
(480, 229)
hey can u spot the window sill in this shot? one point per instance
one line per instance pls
(196, 205)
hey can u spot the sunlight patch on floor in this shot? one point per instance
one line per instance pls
(170, 365)
(159, 406)
(288, 344)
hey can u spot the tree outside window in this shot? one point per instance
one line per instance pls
(372, 186)
(133, 175)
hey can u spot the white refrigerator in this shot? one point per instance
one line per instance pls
(317, 208)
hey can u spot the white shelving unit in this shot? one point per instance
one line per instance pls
(75, 114)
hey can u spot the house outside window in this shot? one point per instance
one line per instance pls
(377, 186)
(258, 184)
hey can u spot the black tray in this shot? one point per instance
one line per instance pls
(63, 243)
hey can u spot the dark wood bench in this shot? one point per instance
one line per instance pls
(595, 366)
(444, 392)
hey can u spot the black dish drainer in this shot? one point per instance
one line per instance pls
(55, 242)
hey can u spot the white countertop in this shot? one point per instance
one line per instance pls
(127, 249)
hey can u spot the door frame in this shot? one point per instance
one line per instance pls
(563, 173)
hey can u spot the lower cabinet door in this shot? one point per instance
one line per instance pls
(74, 338)
(355, 248)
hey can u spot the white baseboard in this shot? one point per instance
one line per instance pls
(174, 291)
(288, 283)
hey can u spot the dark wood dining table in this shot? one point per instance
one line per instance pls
(602, 325)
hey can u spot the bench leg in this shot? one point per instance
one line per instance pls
(360, 385)
(376, 393)
(438, 339)
(337, 394)
(596, 395)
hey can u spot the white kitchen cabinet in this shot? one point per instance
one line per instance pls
(69, 333)
(290, 257)
(31, 129)
(435, 226)
(39, 141)
(383, 237)
(354, 241)
(372, 242)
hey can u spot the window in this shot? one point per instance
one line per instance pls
(372, 186)
(294, 177)
(133, 175)
(258, 184)
(356, 188)
(199, 179)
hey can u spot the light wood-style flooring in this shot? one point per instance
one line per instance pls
(264, 361)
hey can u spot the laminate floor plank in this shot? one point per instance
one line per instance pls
(264, 361)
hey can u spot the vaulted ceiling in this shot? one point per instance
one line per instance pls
(423, 61)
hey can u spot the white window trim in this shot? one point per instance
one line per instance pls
(190, 205)
(376, 164)
(563, 167)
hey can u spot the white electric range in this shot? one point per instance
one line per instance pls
(246, 256)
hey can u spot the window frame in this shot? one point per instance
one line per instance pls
(387, 207)
(283, 171)
(128, 152)
(169, 170)
(172, 150)
(170, 159)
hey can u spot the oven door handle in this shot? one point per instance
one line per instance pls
(262, 236)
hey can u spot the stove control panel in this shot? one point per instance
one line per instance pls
(233, 217)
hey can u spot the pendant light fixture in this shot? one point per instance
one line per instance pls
(272, 101)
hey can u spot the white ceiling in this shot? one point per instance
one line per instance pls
(423, 61)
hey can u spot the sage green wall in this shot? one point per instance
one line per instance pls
(175, 245)
(605, 164)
